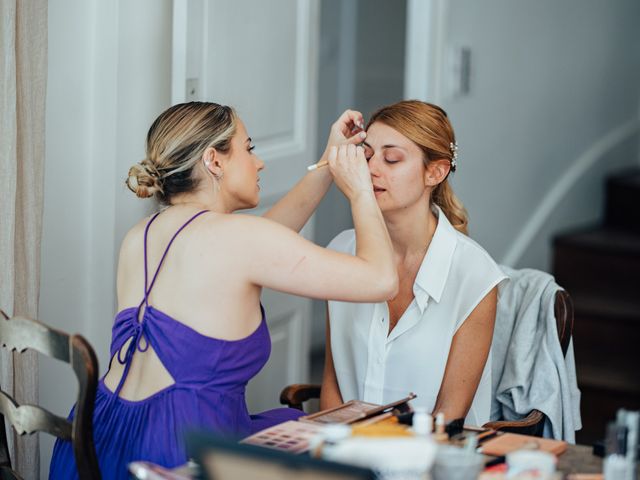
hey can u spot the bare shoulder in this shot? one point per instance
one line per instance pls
(246, 227)
(132, 241)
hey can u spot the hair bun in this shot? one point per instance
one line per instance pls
(144, 180)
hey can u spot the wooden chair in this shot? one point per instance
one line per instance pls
(20, 333)
(533, 424)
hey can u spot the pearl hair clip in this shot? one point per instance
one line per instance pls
(453, 146)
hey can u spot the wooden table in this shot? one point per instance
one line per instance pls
(579, 459)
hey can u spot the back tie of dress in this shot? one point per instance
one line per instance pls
(139, 324)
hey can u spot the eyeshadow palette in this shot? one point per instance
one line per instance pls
(356, 410)
(295, 436)
(291, 436)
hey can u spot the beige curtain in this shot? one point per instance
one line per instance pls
(23, 76)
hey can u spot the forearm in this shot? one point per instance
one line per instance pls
(330, 393)
(330, 396)
(451, 408)
(296, 207)
(467, 359)
(373, 244)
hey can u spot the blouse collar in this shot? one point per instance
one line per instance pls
(435, 267)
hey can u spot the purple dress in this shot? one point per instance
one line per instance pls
(210, 379)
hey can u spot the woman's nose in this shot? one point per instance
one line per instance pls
(374, 165)
(259, 163)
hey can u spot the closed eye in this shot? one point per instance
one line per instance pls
(391, 161)
(251, 148)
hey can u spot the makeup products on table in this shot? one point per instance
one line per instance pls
(291, 436)
(422, 422)
(356, 410)
(299, 436)
(440, 435)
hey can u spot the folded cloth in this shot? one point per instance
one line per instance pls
(529, 370)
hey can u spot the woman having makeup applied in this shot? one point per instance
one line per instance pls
(191, 331)
(434, 337)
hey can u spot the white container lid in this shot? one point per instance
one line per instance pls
(521, 461)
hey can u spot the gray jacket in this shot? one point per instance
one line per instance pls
(528, 368)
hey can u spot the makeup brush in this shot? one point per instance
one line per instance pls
(324, 163)
(315, 166)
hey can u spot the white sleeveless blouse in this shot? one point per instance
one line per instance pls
(374, 366)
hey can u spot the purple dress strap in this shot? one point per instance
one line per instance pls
(147, 291)
(138, 333)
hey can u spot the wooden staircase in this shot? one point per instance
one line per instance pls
(600, 268)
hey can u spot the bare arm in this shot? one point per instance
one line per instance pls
(296, 207)
(467, 358)
(330, 393)
(287, 262)
(275, 257)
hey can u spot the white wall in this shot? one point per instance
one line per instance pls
(109, 77)
(551, 81)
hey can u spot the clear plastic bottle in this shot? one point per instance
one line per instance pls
(615, 465)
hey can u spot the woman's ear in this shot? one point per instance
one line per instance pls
(212, 161)
(436, 172)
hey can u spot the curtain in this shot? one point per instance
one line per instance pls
(23, 77)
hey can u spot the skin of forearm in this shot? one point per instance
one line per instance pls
(451, 410)
(329, 399)
(373, 243)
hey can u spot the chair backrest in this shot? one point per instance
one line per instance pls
(21, 333)
(563, 310)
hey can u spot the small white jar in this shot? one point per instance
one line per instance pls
(534, 462)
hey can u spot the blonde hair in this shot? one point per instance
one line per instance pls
(176, 142)
(428, 126)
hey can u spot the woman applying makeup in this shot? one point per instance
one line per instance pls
(190, 330)
(434, 337)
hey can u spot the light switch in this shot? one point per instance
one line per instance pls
(459, 81)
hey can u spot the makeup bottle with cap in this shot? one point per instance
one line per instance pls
(440, 434)
(422, 422)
